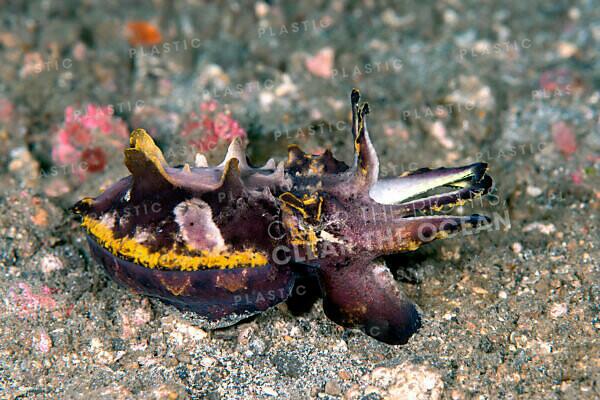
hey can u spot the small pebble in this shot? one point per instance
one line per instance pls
(517, 247)
(546, 229)
(533, 191)
(261, 9)
(207, 361)
(558, 310)
(332, 387)
(43, 342)
(567, 49)
(438, 131)
(51, 263)
(269, 391)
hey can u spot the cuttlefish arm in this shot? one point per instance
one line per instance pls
(470, 181)
(364, 295)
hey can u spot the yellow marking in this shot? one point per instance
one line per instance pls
(231, 167)
(293, 152)
(86, 201)
(299, 236)
(308, 200)
(319, 208)
(442, 235)
(308, 238)
(299, 204)
(362, 169)
(411, 245)
(461, 202)
(461, 184)
(143, 156)
(357, 147)
(395, 246)
(294, 202)
(437, 208)
(457, 203)
(140, 254)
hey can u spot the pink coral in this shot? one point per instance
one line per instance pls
(564, 138)
(28, 303)
(210, 125)
(577, 177)
(321, 64)
(559, 79)
(6, 110)
(84, 139)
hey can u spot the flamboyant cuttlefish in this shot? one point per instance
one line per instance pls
(229, 241)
